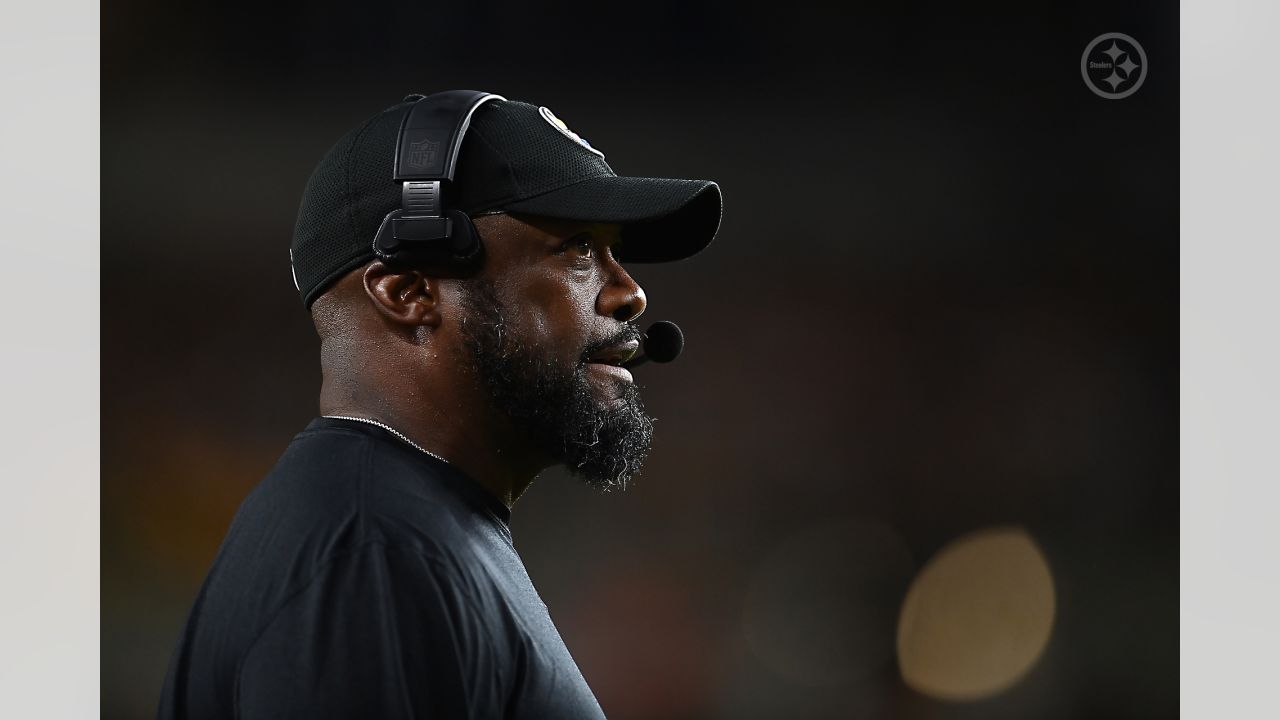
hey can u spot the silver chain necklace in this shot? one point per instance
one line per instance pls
(391, 430)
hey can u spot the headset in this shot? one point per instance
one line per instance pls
(425, 230)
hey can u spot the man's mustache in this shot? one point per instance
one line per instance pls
(627, 333)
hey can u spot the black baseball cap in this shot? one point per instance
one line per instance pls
(515, 157)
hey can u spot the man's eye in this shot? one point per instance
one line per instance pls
(580, 244)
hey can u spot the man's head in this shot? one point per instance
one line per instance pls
(524, 349)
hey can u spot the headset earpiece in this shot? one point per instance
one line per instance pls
(424, 231)
(451, 241)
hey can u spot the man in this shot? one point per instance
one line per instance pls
(372, 574)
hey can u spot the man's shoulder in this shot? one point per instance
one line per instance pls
(354, 486)
(334, 497)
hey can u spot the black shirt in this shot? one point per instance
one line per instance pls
(364, 578)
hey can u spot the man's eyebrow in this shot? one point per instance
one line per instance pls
(578, 234)
(610, 240)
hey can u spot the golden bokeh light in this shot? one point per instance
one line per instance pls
(977, 617)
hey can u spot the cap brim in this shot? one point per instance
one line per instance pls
(662, 219)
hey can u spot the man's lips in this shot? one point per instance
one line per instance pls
(615, 355)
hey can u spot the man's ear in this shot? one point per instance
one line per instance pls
(405, 297)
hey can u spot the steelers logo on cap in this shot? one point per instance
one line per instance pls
(558, 124)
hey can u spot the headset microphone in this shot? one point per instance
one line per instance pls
(662, 343)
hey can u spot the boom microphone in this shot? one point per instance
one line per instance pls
(662, 343)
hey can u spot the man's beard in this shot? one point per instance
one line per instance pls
(604, 445)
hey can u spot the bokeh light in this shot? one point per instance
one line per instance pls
(977, 617)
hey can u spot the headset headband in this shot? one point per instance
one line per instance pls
(426, 157)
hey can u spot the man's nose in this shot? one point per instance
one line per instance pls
(623, 298)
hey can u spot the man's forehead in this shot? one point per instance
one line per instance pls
(540, 225)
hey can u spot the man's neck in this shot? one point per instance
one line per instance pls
(454, 428)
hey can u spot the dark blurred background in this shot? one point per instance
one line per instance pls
(943, 299)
